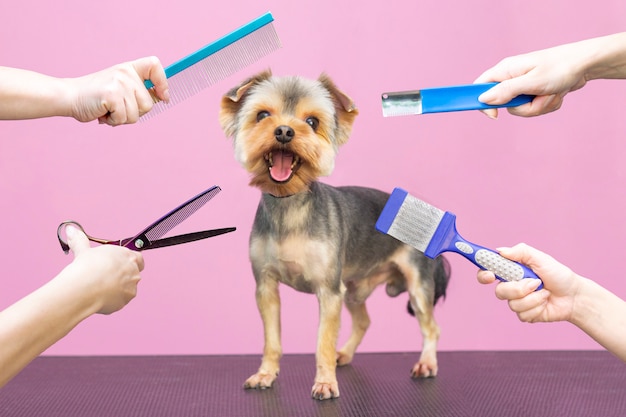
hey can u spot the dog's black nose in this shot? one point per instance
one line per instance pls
(284, 134)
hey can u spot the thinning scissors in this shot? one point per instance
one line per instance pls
(149, 237)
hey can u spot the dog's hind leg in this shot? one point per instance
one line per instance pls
(326, 386)
(360, 324)
(410, 265)
(268, 302)
(421, 299)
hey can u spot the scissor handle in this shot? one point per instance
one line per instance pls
(63, 239)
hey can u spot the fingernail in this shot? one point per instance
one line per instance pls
(490, 113)
(533, 283)
(486, 97)
(166, 95)
(70, 231)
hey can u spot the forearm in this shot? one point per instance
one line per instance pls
(605, 57)
(29, 95)
(36, 322)
(602, 315)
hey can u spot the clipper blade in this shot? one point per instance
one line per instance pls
(402, 103)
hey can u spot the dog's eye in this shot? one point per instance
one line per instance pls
(262, 115)
(313, 122)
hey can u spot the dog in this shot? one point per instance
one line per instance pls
(317, 238)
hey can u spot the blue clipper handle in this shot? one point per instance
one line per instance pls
(463, 97)
(447, 239)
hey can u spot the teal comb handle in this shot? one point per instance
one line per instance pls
(210, 49)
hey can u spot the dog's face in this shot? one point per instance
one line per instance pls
(286, 130)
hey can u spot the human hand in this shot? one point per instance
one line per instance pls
(117, 95)
(109, 274)
(555, 302)
(548, 74)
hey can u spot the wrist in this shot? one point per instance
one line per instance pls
(584, 302)
(81, 297)
(67, 96)
(606, 57)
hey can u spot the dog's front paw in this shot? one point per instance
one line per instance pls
(325, 390)
(260, 380)
(424, 369)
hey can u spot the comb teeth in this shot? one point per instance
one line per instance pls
(222, 61)
(180, 213)
(403, 103)
(415, 222)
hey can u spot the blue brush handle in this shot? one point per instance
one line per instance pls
(449, 240)
(462, 97)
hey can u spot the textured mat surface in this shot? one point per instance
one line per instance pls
(473, 384)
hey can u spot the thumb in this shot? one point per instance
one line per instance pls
(150, 68)
(525, 254)
(505, 91)
(77, 240)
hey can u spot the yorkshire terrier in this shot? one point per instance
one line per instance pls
(314, 237)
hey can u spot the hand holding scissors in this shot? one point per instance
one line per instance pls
(149, 237)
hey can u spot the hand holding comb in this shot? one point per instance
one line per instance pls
(433, 232)
(217, 60)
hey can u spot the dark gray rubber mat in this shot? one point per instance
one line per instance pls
(476, 384)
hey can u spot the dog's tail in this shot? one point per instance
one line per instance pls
(441, 276)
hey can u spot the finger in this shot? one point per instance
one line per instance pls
(76, 240)
(530, 302)
(145, 100)
(527, 255)
(139, 261)
(132, 109)
(115, 118)
(513, 289)
(505, 91)
(150, 68)
(494, 74)
(532, 315)
(540, 105)
(525, 110)
(485, 277)
(129, 108)
(554, 102)
(490, 113)
(116, 113)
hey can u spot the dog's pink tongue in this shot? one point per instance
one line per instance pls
(281, 170)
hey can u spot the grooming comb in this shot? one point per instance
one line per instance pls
(433, 232)
(442, 99)
(217, 60)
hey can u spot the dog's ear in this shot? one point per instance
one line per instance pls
(344, 106)
(234, 98)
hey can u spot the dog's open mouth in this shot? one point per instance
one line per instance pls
(282, 164)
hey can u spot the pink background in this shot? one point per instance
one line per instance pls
(556, 182)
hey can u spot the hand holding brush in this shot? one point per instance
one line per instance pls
(566, 296)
